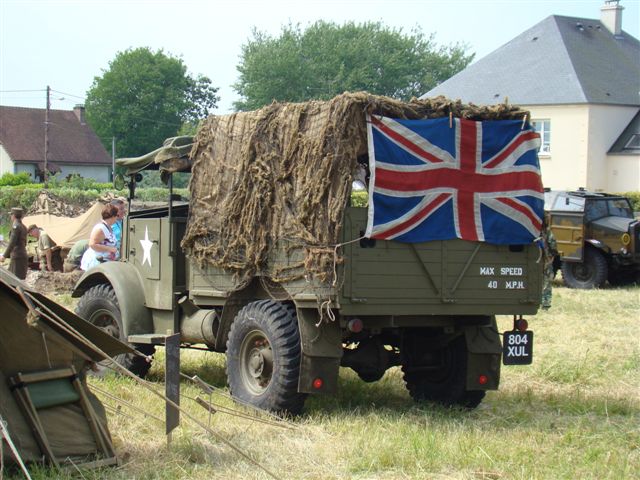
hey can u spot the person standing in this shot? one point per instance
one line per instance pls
(549, 252)
(117, 227)
(102, 241)
(17, 248)
(46, 248)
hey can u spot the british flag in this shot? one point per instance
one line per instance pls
(439, 179)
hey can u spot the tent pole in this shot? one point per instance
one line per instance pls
(14, 450)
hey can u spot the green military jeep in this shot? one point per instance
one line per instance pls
(597, 235)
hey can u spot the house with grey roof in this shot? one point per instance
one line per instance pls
(580, 80)
(74, 148)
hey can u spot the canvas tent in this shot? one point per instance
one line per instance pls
(66, 231)
(49, 411)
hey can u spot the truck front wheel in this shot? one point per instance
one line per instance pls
(590, 273)
(263, 357)
(99, 306)
(443, 381)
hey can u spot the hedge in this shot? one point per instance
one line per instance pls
(24, 195)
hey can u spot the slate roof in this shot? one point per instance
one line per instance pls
(622, 145)
(70, 142)
(561, 60)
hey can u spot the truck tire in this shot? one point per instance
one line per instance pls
(588, 274)
(370, 376)
(447, 384)
(99, 306)
(263, 357)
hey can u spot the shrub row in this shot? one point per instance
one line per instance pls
(634, 197)
(24, 195)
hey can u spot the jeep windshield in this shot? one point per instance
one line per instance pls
(599, 208)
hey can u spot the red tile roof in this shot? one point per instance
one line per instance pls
(70, 142)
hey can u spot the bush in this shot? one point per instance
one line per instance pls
(18, 196)
(14, 179)
(634, 198)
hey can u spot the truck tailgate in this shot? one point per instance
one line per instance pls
(453, 277)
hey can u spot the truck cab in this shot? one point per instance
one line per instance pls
(597, 235)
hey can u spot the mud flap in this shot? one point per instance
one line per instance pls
(483, 357)
(321, 353)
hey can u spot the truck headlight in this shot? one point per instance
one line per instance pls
(625, 239)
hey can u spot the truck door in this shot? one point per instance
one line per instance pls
(568, 228)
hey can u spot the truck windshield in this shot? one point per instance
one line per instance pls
(596, 209)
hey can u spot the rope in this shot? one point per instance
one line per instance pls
(214, 408)
(46, 349)
(125, 403)
(4, 434)
(210, 389)
(78, 336)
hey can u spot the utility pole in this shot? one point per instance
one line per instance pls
(46, 136)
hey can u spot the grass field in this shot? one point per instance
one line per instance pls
(574, 414)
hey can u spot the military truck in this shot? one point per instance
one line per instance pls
(597, 235)
(428, 307)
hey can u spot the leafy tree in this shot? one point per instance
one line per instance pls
(327, 59)
(145, 97)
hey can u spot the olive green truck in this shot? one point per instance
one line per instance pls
(428, 307)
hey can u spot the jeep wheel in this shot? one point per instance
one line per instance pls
(263, 357)
(445, 384)
(370, 376)
(590, 273)
(99, 306)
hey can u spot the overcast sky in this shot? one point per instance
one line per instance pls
(66, 43)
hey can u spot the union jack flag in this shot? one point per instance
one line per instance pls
(432, 180)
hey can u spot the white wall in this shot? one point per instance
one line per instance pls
(623, 173)
(581, 135)
(30, 168)
(566, 165)
(6, 165)
(98, 173)
(608, 173)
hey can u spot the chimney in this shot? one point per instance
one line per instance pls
(79, 111)
(611, 16)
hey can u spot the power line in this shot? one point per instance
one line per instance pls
(22, 91)
(69, 94)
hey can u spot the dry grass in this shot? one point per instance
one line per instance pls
(574, 413)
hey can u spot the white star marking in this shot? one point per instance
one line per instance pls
(146, 247)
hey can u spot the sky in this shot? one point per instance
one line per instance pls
(66, 43)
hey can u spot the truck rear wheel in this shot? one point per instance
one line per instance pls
(588, 274)
(263, 357)
(445, 383)
(99, 306)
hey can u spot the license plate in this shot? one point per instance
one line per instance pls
(517, 348)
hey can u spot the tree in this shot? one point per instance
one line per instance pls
(327, 59)
(145, 97)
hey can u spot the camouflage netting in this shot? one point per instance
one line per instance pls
(283, 174)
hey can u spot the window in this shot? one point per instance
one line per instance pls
(633, 143)
(543, 127)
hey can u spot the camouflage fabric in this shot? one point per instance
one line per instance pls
(550, 250)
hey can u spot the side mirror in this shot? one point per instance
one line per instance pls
(118, 182)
